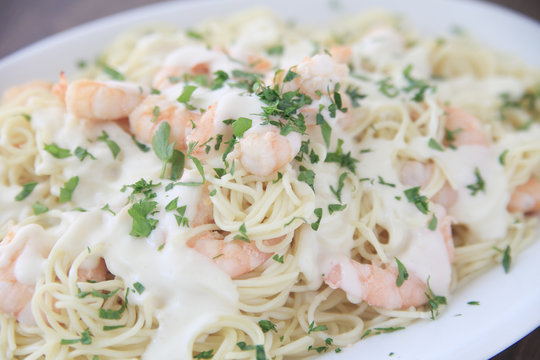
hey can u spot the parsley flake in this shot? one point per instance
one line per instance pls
(26, 191)
(67, 191)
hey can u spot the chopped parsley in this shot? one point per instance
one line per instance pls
(208, 354)
(115, 149)
(313, 328)
(85, 339)
(432, 223)
(502, 157)
(82, 153)
(139, 287)
(382, 182)
(113, 73)
(318, 213)
(341, 182)
(332, 208)
(240, 126)
(506, 259)
(307, 176)
(419, 86)
(57, 151)
(107, 208)
(387, 88)
(243, 233)
(432, 143)
(434, 302)
(450, 136)
(259, 349)
(181, 219)
(420, 201)
(140, 145)
(473, 303)
(26, 191)
(267, 325)
(278, 258)
(275, 50)
(290, 76)
(67, 191)
(344, 160)
(142, 225)
(479, 185)
(326, 129)
(402, 273)
(39, 208)
(166, 152)
(185, 96)
(284, 106)
(355, 95)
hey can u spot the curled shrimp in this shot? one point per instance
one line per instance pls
(263, 153)
(376, 284)
(415, 173)
(188, 60)
(96, 100)
(317, 74)
(236, 257)
(17, 288)
(464, 128)
(146, 117)
(526, 197)
(16, 296)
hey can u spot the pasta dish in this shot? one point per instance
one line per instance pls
(256, 189)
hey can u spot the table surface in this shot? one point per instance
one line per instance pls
(27, 21)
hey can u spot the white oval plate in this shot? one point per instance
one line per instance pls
(508, 302)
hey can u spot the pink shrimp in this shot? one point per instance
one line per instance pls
(415, 173)
(377, 286)
(341, 53)
(187, 60)
(526, 197)
(317, 74)
(236, 257)
(144, 120)
(13, 92)
(15, 295)
(96, 100)
(263, 153)
(90, 271)
(464, 128)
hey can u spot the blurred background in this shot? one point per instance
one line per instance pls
(23, 22)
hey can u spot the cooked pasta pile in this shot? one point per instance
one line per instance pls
(251, 188)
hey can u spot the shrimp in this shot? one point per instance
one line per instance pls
(415, 173)
(205, 128)
(464, 128)
(146, 117)
(316, 75)
(526, 197)
(188, 60)
(17, 293)
(12, 93)
(376, 284)
(90, 271)
(341, 53)
(263, 153)
(236, 257)
(96, 100)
